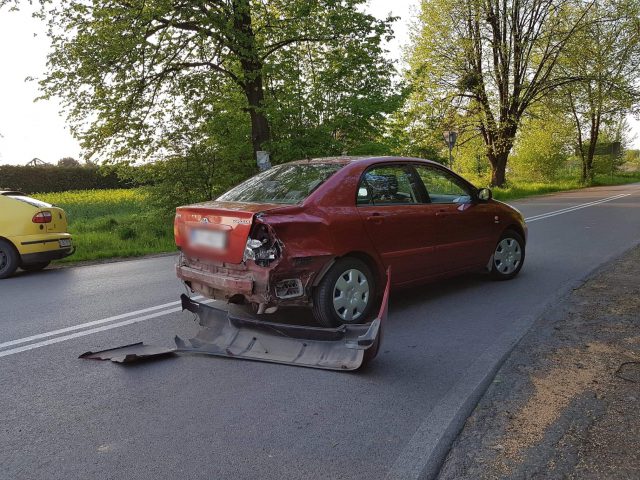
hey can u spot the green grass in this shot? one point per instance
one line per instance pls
(112, 223)
(120, 223)
(521, 189)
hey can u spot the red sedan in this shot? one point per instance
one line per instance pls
(322, 233)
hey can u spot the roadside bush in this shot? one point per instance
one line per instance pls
(200, 175)
(542, 149)
(58, 179)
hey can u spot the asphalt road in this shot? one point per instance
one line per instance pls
(196, 417)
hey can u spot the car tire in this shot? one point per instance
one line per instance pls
(35, 267)
(508, 256)
(345, 294)
(9, 259)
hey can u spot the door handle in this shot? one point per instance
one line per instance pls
(376, 218)
(443, 213)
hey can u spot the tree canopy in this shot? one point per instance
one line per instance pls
(482, 63)
(134, 73)
(542, 86)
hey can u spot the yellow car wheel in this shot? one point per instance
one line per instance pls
(9, 259)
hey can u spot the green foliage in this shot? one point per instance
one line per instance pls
(543, 148)
(479, 67)
(132, 73)
(604, 63)
(469, 158)
(197, 177)
(331, 98)
(214, 157)
(197, 90)
(57, 179)
(412, 133)
(631, 159)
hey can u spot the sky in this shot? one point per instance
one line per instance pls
(31, 129)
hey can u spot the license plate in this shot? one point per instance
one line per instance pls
(209, 238)
(65, 243)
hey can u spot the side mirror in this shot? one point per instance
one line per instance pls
(485, 194)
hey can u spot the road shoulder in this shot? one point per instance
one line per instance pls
(565, 402)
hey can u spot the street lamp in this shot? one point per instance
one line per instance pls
(450, 138)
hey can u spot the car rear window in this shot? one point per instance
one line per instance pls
(286, 184)
(30, 201)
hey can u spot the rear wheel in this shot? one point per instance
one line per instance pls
(35, 267)
(9, 259)
(508, 256)
(345, 294)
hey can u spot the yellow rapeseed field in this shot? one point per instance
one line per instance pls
(113, 223)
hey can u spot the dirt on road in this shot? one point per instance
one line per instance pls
(566, 403)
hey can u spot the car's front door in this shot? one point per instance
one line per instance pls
(401, 225)
(466, 229)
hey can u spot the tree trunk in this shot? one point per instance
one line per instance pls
(252, 78)
(500, 144)
(498, 169)
(593, 142)
(260, 131)
(588, 168)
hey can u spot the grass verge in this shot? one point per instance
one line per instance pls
(112, 223)
(522, 189)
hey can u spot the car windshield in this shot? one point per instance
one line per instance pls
(287, 184)
(30, 201)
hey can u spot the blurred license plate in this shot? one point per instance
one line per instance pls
(209, 238)
(65, 243)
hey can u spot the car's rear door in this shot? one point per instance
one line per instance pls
(400, 224)
(465, 227)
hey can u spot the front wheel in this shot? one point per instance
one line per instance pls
(345, 294)
(508, 256)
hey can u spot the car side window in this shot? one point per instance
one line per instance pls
(387, 185)
(442, 187)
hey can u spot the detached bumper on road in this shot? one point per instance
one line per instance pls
(343, 348)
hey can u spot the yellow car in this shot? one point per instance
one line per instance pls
(32, 233)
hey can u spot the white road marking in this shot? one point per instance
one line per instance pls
(542, 216)
(103, 328)
(53, 333)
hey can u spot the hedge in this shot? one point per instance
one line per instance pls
(57, 179)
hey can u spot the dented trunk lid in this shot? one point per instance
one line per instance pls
(217, 230)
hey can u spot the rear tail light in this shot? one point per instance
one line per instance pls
(261, 246)
(178, 229)
(42, 217)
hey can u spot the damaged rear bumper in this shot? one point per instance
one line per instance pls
(285, 282)
(225, 282)
(344, 348)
